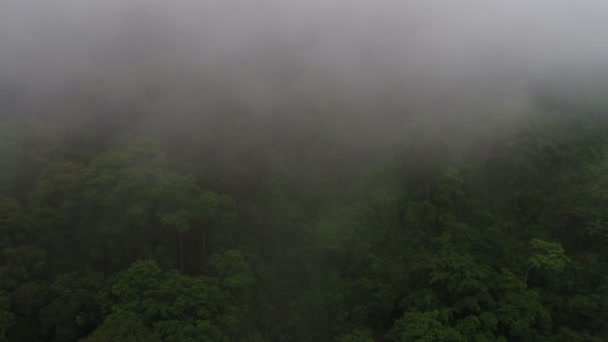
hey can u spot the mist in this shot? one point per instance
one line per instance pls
(319, 83)
(321, 86)
(303, 170)
(266, 55)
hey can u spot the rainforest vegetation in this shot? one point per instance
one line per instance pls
(232, 175)
(110, 235)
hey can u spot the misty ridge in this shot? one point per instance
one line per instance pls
(349, 171)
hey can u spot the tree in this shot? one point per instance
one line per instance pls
(423, 326)
(178, 307)
(546, 255)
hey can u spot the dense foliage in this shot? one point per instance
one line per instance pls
(106, 235)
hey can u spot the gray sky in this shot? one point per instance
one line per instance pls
(268, 55)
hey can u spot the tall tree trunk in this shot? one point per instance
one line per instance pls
(181, 252)
(204, 242)
(428, 190)
(527, 274)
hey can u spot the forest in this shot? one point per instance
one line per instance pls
(116, 236)
(149, 197)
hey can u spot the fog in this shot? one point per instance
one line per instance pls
(363, 71)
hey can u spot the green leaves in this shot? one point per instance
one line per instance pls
(179, 220)
(434, 248)
(548, 255)
(119, 203)
(73, 311)
(124, 326)
(7, 318)
(131, 286)
(519, 310)
(598, 229)
(356, 336)
(423, 326)
(177, 307)
(233, 270)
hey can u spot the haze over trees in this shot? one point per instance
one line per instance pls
(303, 171)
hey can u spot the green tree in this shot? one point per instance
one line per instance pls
(546, 255)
